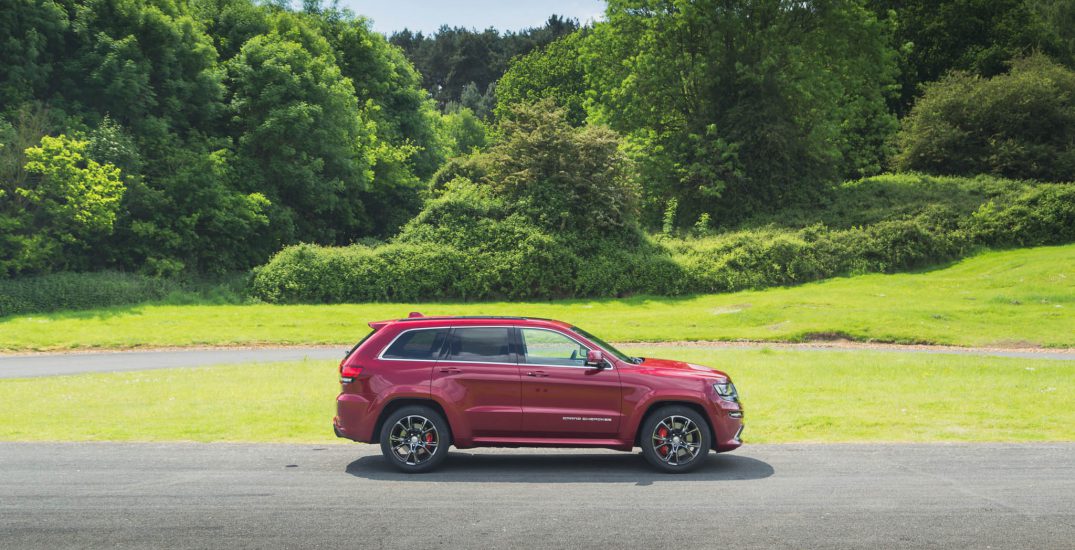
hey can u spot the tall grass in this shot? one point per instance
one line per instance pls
(75, 291)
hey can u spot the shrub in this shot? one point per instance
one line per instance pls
(1019, 124)
(465, 246)
(1039, 216)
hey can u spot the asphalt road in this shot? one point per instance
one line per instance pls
(55, 364)
(111, 495)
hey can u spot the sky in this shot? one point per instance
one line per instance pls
(428, 15)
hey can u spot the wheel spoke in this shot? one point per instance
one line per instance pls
(402, 439)
(681, 449)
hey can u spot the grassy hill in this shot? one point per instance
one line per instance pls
(1005, 298)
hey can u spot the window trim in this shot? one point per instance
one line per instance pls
(381, 357)
(511, 345)
(517, 334)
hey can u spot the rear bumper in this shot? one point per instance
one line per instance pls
(354, 420)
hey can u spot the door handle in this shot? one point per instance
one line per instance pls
(450, 370)
(537, 374)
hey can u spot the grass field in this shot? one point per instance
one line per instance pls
(1009, 298)
(790, 396)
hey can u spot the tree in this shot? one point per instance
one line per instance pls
(287, 84)
(734, 106)
(385, 79)
(556, 71)
(1020, 124)
(976, 36)
(465, 131)
(574, 182)
(1057, 19)
(455, 57)
(63, 199)
(30, 32)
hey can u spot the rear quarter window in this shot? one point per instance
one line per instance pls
(416, 344)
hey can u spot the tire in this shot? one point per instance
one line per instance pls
(675, 439)
(415, 439)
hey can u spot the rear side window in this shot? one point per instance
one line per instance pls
(417, 344)
(481, 345)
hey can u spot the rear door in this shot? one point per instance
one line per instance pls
(562, 397)
(479, 374)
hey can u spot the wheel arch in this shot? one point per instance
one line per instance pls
(400, 402)
(657, 404)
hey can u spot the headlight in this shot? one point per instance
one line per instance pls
(726, 391)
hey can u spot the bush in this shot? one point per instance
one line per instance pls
(459, 249)
(1019, 124)
(402, 272)
(894, 197)
(1043, 215)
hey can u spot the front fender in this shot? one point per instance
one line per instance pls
(647, 401)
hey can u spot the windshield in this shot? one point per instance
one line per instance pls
(607, 347)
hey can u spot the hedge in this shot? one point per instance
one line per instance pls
(543, 267)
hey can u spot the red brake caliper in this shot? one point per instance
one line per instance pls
(429, 437)
(662, 433)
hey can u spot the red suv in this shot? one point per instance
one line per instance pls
(420, 384)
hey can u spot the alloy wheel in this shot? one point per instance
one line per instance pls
(414, 440)
(677, 440)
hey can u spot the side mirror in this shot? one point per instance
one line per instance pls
(595, 358)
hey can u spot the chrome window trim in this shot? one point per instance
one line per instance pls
(381, 357)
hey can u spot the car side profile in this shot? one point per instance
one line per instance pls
(419, 385)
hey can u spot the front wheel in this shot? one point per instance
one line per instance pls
(675, 439)
(415, 439)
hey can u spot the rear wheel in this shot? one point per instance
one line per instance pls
(675, 439)
(415, 439)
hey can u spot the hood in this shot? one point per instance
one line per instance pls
(668, 366)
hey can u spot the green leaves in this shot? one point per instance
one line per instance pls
(736, 106)
(283, 88)
(65, 199)
(1019, 125)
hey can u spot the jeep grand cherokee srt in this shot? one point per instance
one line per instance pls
(420, 384)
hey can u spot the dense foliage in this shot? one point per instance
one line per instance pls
(984, 212)
(517, 220)
(236, 127)
(460, 65)
(674, 146)
(1018, 124)
(974, 36)
(727, 107)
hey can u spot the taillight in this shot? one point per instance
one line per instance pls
(349, 373)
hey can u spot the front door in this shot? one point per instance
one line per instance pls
(562, 397)
(479, 375)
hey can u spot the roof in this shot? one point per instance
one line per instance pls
(432, 319)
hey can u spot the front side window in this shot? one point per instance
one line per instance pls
(545, 347)
(417, 344)
(480, 345)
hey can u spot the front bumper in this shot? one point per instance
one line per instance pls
(727, 420)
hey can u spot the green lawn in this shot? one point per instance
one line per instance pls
(1005, 298)
(790, 396)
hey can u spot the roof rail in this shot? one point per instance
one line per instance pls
(419, 317)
